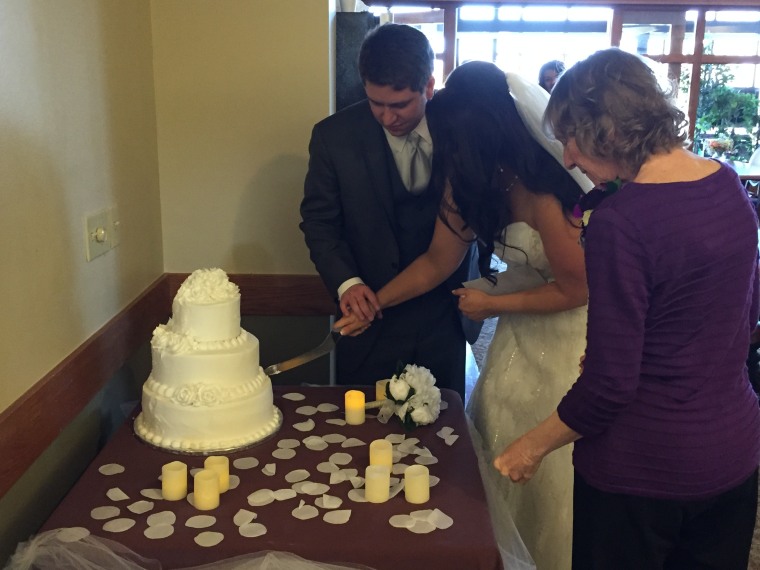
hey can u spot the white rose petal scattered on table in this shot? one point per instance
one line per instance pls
(444, 432)
(357, 496)
(269, 469)
(103, 513)
(422, 527)
(191, 498)
(395, 438)
(200, 521)
(350, 472)
(284, 453)
(336, 421)
(306, 410)
(252, 530)
(327, 408)
(111, 469)
(440, 519)
(341, 458)
(357, 482)
(308, 425)
(397, 456)
(312, 488)
(72, 534)
(424, 460)
(305, 512)
(159, 531)
(328, 502)
(141, 507)
(116, 494)
(284, 494)
(423, 452)
(244, 463)
(164, 517)
(352, 442)
(444, 405)
(327, 467)
(208, 539)
(261, 497)
(288, 443)
(154, 494)
(243, 516)
(450, 439)
(434, 480)
(337, 517)
(334, 438)
(398, 468)
(315, 443)
(294, 396)
(234, 482)
(297, 475)
(337, 477)
(408, 445)
(118, 525)
(396, 488)
(401, 521)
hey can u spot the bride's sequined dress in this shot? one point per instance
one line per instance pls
(532, 361)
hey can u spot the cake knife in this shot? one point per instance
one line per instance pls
(323, 348)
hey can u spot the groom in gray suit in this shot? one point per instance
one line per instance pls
(369, 210)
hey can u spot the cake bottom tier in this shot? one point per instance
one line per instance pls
(204, 428)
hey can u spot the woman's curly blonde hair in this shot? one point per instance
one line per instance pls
(614, 107)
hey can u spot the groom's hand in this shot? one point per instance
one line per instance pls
(350, 325)
(360, 301)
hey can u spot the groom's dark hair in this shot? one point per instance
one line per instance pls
(396, 55)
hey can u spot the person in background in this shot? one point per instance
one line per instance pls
(665, 423)
(501, 184)
(549, 73)
(367, 213)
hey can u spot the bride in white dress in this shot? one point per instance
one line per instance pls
(502, 182)
(532, 361)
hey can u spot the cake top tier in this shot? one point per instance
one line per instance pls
(207, 307)
(205, 287)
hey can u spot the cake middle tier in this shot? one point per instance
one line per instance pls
(179, 360)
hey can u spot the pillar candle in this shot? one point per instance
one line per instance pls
(417, 484)
(174, 481)
(381, 453)
(377, 483)
(380, 389)
(354, 407)
(221, 465)
(206, 490)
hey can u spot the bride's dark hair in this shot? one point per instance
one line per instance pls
(477, 134)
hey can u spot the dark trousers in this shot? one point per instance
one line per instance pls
(616, 531)
(435, 342)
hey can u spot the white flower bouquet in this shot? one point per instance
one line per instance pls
(412, 396)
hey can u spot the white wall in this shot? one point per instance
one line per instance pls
(191, 116)
(77, 134)
(239, 84)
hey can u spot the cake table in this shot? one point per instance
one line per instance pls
(366, 538)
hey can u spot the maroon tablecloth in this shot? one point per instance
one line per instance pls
(367, 538)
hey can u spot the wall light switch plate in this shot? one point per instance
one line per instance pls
(97, 234)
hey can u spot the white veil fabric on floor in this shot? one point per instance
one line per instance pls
(76, 549)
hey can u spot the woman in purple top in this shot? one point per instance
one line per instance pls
(665, 423)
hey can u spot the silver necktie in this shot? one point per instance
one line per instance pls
(419, 164)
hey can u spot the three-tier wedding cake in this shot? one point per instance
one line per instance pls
(206, 391)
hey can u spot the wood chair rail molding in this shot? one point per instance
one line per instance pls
(33, 421)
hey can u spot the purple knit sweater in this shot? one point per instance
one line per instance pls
(664, 404)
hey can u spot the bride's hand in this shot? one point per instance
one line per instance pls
(474, 304)
(519, 461)
(351, 325)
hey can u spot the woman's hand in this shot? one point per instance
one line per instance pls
(351, 325)
(522, 458)
(519, 461)
(474, 304)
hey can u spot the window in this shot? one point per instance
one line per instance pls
(712, 56)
